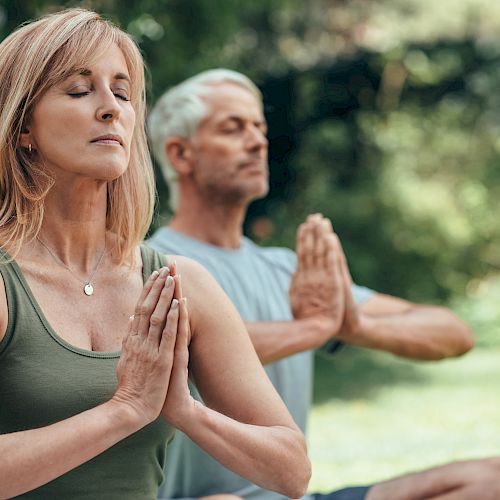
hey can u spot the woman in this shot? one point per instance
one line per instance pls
(78, 418)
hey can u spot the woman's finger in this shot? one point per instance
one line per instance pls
(169, 333)
(135, 318)
(178, 287)
(146, 308)
(183, 334)
(172, 265)
(158, 318)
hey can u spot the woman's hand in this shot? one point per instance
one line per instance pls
(146, 363)
(179, 401)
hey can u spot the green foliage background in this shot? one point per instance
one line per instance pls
(383, 115)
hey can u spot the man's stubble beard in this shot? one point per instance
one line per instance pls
(232, 194)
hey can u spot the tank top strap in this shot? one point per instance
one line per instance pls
(19, 304)
(151, 260)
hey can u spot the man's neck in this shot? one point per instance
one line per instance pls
(221, 226)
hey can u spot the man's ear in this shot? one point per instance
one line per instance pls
(178, 151)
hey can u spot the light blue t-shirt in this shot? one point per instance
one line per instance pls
(257, 280)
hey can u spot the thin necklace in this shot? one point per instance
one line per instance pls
(88, 288)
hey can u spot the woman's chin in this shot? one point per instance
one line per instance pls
(111, 172)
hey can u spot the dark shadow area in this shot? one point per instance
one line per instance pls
(359, 374)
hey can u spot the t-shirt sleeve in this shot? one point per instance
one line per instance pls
(361, 293)
(287, 258)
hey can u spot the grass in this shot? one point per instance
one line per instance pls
(376, 416)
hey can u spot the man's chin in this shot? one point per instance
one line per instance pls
(260, 192)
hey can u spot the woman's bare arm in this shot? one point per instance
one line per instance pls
(244, 424)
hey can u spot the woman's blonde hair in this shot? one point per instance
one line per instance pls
(33, 59)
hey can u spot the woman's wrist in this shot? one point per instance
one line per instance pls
(122, 414)
(185, 418)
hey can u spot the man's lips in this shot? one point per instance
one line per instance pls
(260, 164)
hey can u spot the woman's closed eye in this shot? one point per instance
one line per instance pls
(120, 93)
(79, 92)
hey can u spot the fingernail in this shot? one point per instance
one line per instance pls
(164, 272)
(155, 274)
(169, 281)
(175, 304)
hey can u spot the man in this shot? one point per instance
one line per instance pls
(209, 136)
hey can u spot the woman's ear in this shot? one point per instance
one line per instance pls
(178, 151)
(25, 139)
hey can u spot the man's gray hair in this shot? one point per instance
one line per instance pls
(179, 111)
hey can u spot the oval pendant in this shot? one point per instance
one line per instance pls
(88, 289)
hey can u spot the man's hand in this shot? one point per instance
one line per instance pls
(317, 290)
(352, 316)
(465, 480)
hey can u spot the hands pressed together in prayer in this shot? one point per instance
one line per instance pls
(153, 368)
(321, 286)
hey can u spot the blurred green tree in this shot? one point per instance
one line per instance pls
(384, 115)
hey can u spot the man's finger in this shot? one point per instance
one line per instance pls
(308, 244)
(300, 249)
(320, 246)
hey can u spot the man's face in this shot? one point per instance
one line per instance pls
(229, 149)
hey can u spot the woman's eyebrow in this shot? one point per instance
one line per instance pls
(118, 76)
(122, 76)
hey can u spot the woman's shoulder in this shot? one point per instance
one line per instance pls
(197, 282)
(190, 269)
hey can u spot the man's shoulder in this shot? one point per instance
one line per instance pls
(271, 251)
(166, 240)
(277, 256)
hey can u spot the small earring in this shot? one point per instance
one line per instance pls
(30, 149)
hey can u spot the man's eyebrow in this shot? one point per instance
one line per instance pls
(240, 119)
(237, 118)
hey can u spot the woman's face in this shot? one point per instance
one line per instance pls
(83, 126)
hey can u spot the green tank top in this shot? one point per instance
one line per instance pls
(43, 380)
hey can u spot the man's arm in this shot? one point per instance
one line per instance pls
(323, 308)
(467, 480)
(400, 327)
(409, 330)
(274, 340)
